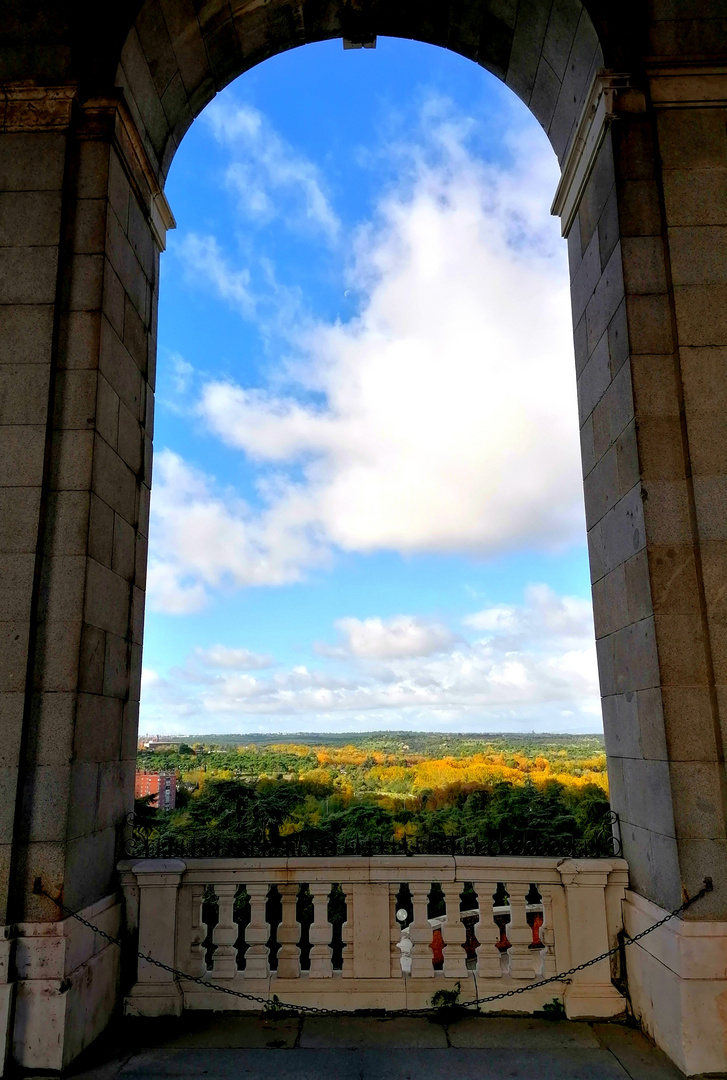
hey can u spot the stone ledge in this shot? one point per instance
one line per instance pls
(689, 949)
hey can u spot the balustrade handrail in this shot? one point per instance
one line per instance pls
(372, 932)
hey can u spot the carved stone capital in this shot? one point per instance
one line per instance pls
(611, 94)
(109, 118)
(25, 107)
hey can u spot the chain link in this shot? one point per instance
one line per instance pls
(274, 1004)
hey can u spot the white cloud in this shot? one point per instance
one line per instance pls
(182, 373)
(205, 261)
(446, 413)
(545, 616)
(223, 656)
(388, 639)
(515, 676)
(441, 419)
(266, 172)
(202, 539)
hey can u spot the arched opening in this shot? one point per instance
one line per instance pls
(174, 62)
(88, 137)
(388, 443)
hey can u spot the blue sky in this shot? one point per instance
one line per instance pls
(366, 509)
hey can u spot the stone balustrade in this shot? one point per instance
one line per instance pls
(383, 932)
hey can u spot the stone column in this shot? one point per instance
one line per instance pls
(78, 323)
(642, 193)
(83, 221)
(643, 202)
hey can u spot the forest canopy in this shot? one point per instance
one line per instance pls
(387, 787)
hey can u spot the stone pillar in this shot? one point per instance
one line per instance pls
(371, 938)
(157, 992)
(646, 280)
(643, 201)
(589, 993)
(82, 223)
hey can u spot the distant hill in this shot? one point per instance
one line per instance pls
(428, 742)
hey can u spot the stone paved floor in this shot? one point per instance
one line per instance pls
(228, 1047)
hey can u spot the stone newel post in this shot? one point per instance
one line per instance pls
(158, 881)
(590, 993)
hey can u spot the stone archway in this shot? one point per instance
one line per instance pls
(88, 133)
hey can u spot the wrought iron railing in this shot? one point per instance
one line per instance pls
(148, 842)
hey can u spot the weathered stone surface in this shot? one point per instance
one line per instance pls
(649, 287)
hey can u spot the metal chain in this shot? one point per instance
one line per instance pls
(274, 1004)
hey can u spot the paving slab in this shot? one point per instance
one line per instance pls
(219, 1032)
(344, 1032)
(229, 1046)
(385, 1064)
(638, 1056)
(521, 1033)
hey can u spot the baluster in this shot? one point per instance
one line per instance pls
(394, 933)
(547, 936)
(502, 915)
(420, 933)
(454, 953)
(289, 934)
(347, 933)
(488, 958)
(534, 915)
(197, 963)
(224, 935)
(257, 933)
(437, 942)
(320, 933)
(520, 934)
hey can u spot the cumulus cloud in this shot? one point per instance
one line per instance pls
(545, 615)
(205, 261)
(388, 639)
(383, 680)
(440, 419)
(223, 656)
(266, 174)
(445, 414)
(202, 538)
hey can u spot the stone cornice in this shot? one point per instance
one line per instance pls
(599, 111)
(687, 86)
(26, 107)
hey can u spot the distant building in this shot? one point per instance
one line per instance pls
(154, 742)
(162, 785)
